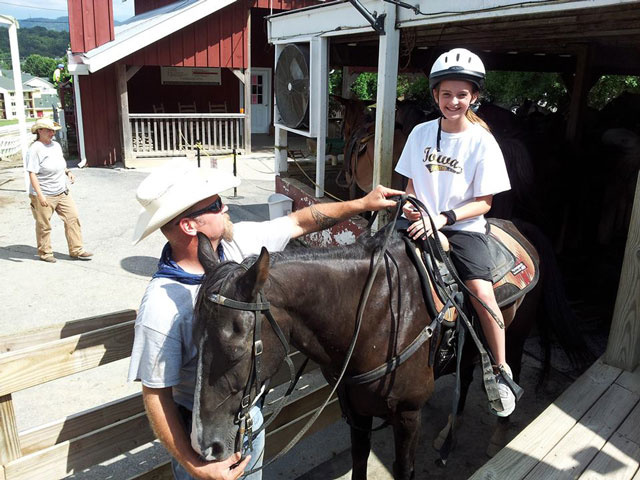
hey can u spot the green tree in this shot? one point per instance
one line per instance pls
(39, 66)
(509, 89)
(366, 86)
(609, 87)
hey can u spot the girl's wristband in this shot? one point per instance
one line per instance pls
(450, 215)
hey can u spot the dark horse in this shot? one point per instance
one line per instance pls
(314, 296)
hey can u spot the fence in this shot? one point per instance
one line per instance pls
(9, 145)
(68, 445)
(173, 134)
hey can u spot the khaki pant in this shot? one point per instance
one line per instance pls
(65, 207)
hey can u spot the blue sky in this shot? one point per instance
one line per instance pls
(122, 9)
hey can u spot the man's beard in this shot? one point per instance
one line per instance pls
(227, 235)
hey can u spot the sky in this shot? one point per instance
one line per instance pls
(21, 9)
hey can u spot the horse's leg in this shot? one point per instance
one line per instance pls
(360, 444)
(406, 430)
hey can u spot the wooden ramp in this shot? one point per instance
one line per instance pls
(592, 431)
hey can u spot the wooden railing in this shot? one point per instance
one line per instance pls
(9, 145)
(67, 445)
(175, 134)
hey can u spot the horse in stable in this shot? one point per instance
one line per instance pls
(403, 336)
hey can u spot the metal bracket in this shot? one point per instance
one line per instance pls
(376, 21)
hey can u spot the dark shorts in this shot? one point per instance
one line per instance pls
(470, 255)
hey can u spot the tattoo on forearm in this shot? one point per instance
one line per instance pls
(323, 221)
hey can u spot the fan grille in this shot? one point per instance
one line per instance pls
(292, 85)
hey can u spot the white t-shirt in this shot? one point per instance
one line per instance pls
(48, 163)
(469, 165)
(164, 354)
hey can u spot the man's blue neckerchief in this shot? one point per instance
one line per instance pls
(167, 268)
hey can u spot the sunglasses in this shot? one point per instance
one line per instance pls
(215, 207)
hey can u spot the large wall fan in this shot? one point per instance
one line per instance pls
(292, 86)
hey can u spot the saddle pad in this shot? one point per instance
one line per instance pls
(516, 270)
(522, 275)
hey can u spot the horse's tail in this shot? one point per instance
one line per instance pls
(557, 316)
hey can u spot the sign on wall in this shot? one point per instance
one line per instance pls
(190, 76)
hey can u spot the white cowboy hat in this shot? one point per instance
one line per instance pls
(45, 123)
(168, 192)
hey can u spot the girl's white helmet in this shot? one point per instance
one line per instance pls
(458, 64)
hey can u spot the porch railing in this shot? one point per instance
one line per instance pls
(175, 134)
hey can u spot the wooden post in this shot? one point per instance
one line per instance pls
(579, 92)
(280, 150)
(247, 90)
(123, 113)
(320, 83)
(386, 106)
(9, 440)
(623, 348)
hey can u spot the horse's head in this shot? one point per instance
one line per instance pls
(224, 337)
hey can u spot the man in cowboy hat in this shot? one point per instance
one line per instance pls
(181, 203)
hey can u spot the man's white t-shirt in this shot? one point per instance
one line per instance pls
(469, 165)
(164, 354)
(48, 163)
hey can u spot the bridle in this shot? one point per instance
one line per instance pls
(255, 381)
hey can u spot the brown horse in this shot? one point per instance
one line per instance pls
(314, 296)
(359, 136)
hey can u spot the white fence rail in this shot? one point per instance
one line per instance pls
(9, 145)
(174, 134)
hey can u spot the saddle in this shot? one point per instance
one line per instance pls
(515, 269)
(355, 147)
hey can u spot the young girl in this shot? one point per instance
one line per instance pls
(455, 166)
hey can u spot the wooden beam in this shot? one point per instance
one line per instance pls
(386, 106)
(579, 92)
(35, 365)
(247, 89)
(13, 342)
(623, 348)
(319, 73)
(132, 70)
(123, 114)
(161, 472)
(80, 424)
(75, 455)
(9, 440)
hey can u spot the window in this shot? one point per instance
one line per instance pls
(256, 89)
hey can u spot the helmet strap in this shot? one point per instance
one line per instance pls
(439, 135)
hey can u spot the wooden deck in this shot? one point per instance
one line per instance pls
(592, 431)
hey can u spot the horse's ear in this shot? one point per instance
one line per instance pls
(254, 279)
(206, 254)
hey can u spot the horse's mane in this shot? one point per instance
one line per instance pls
(363, 248)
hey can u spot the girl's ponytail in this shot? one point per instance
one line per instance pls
(473, 118)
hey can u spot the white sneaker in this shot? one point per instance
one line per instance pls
(506, 394)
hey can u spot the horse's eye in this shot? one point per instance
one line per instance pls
(238, 327)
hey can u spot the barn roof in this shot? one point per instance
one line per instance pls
(142, 30)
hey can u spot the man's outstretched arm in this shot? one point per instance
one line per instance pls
(325, 215)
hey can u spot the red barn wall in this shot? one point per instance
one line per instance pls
(90, 24)
(218, 40)
(145, 90)
(100, 117)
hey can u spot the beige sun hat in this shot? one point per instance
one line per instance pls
(45, 123)
(168, 192)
